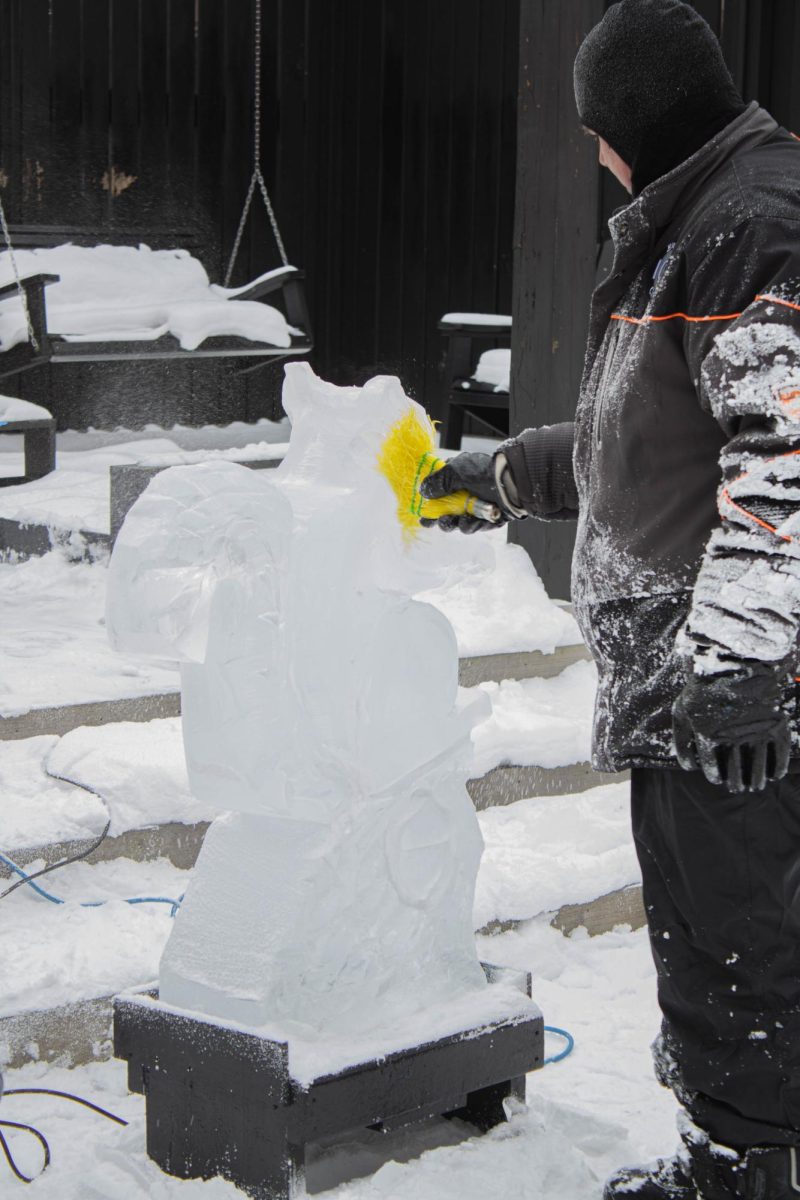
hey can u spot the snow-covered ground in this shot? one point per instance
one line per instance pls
(60, 953)
(54, 648)
(586, 1115)
(537, 722)
(548, 851)
(55, 651)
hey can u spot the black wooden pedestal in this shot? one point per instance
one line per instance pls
(221, 1101)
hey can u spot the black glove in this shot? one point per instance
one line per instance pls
(473, 473)
(733, 728)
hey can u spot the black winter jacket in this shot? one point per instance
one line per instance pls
(692, 367)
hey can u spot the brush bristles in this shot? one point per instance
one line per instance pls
(406, 458)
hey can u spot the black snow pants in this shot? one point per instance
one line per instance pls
(721, 878)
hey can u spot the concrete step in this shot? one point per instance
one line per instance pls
(67, 717)
(60, 720)
(506, 785)
(70, 1035)
(172, 840)
(522, 664)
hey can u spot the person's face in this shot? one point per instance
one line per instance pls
(612, 161)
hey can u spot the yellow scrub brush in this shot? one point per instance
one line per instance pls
(406, 458)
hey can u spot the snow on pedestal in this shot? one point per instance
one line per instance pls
(321, 708)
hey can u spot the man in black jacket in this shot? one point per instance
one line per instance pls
(682, 469)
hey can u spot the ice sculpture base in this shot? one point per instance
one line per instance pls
(222, 1101)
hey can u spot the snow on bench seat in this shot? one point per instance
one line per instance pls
(128, 293)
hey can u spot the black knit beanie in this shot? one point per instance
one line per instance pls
(651, 80)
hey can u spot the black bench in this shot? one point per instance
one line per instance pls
(468, 336)
(39, 443)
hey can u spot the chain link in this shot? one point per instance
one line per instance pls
(257, 176)
(23, 295)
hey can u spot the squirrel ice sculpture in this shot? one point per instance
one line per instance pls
(321, 709)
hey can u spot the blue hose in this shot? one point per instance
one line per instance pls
(570, 1046)
(174, 904)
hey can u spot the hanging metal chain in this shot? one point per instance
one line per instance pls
(257, 176)
(22, 293)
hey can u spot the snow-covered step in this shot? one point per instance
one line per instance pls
(522, 664)
(68, 1034)
(64, 962)
(131, 773)
(563, 855)
(54, 653)
(534, 743)
(568, 857)
(474, 670)
(537, 740)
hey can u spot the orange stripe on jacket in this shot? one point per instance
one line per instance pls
(681, 316)
(777, 300)
(671, 317)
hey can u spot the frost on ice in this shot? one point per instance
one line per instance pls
(321, 708)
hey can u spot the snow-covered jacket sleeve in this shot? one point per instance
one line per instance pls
(540, 461)
(746, 365)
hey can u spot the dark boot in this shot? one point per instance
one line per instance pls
(763, 1173)
(704, 1171)
(664, 1179)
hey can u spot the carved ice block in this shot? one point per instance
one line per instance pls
(320, 705)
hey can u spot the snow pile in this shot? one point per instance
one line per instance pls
(54, 649)
(549, 851)
(537, 722)
(56, 954)
(139, 768)
(35, 809)
(494, 367)
(12, 409)
(128, 293)
(491, 594)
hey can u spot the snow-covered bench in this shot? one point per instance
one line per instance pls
(475, 384)
(111, 303)
(37, 427)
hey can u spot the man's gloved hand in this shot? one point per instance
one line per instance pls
(473, 473)
(733, 728)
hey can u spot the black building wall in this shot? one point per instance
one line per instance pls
(389, 142)
(564, 201)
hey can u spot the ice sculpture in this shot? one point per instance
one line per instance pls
(320, 707)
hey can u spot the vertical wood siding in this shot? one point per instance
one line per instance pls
(389, 147)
